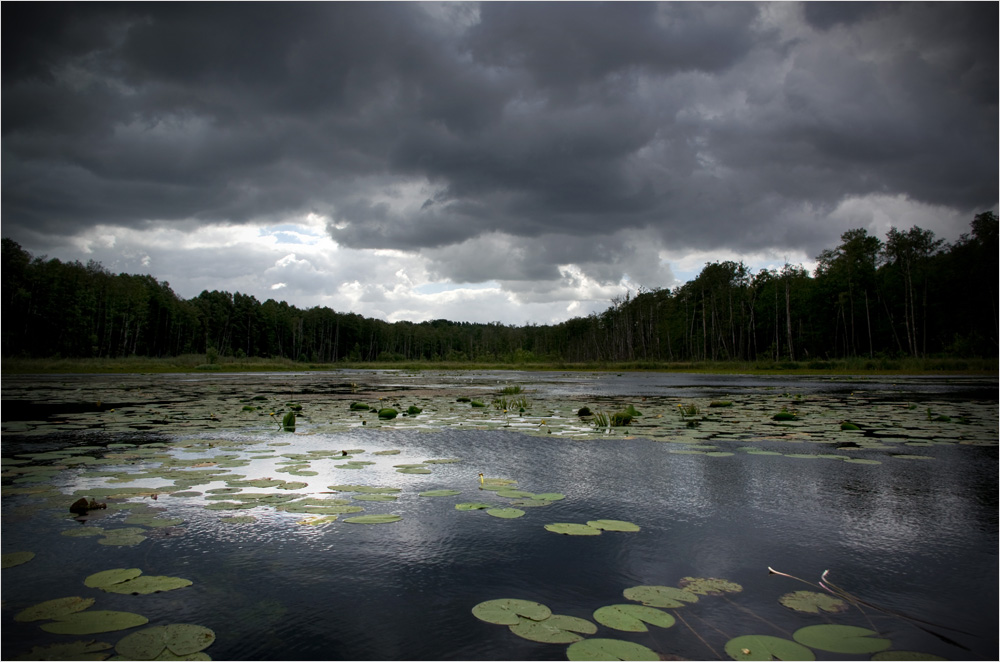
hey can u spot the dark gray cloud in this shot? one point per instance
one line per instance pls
(562, 132)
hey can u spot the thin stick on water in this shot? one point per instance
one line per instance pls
(757, 616)
(695, 632)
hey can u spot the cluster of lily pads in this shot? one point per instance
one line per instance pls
(73, 616)
(649, 606)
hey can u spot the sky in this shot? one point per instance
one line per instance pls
(516, 163)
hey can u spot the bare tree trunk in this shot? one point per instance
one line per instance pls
(788, 319)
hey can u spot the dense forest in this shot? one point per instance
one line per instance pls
(910, 294)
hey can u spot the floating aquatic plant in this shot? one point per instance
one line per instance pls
(784, 415)
(609, 649)
(848, 639)
(660, 596)
(505, 513)
(572, 529)
(374, 519)
(151, 643)
(766, 647)
(53, 609)
(77, 650)
(387, 413)
(510, 611)
(359, 406)
(632, 618)
(288, 422)
(94, 622)
(612, 525)
(811, 602)
(439, 493)
(583, 411)
(472, 506)
(556, 629)
(413, 410)
(15, 558)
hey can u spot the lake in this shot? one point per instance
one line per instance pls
(202, 483)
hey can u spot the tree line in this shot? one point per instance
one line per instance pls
(910, 294)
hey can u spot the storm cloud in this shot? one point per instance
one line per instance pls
(550, 153)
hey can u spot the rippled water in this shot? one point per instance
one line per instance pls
(917, 537)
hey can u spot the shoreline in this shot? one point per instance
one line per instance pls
(197, 364)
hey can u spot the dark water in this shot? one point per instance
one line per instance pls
(916, 537)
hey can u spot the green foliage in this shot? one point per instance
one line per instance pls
(870, 305)
(387, 413)
(584, 411)
(288, 421)
(413, 410)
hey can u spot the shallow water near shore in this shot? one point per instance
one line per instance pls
(902, 511)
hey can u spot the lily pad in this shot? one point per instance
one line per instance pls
(53, 609)
(505, 513)
(93, 622)
(77, 650)
(571, 529)
(180, 639)
(147, 584)
(660, 596)
(472, 506)
(848, 639)
(510, 611)
(609, 649)
(632, 618)
(709, 585)
(612, 525)
(766, 647)
(439, 493)
(15, 558)
(892, 656)
(374, 519)
(811, 602)
(111, 577)
(556, 629)
(549, 496)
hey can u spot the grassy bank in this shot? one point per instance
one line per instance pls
(198, 363)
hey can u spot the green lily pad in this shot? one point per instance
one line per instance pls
(811, 602)
(53, 609)
(439, 493)
(660, 596)
(632, 618)
(375, 497)
(472, 506)
(549, 496)
(709, 585)
(893, 656)
(238, 519)
(612, 525)
(111, 577)
(609, 649)
(15, 558)
(93, 622)
(181, 639)
(571, 529)
(83, 532)
(510, 611)
(556, 629)
(848, 639)
(505, 513)
(414, 470)
(147, 584)
(766, 647)
(77, 650)
(121, 541)
(374, 519)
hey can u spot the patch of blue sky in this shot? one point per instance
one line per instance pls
(445, 286)
(289, 233)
